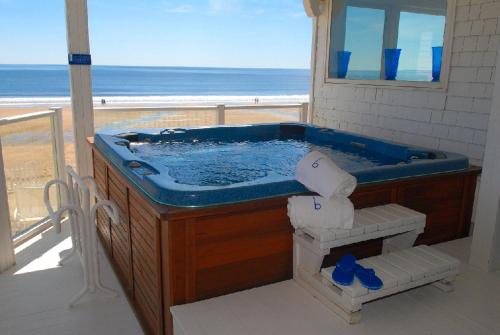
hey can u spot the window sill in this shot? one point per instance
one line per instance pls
(394, 84)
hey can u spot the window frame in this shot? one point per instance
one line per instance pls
(447, 50)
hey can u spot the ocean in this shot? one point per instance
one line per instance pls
(32, 85)
(22, 82)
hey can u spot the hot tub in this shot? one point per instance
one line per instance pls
(203, 211)
(231, 164)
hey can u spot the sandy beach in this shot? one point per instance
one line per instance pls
(27, 146)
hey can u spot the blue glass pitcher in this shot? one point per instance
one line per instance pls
(391, 63)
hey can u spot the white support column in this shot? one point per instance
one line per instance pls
(81, 83)
(7, 258)
(485, 250)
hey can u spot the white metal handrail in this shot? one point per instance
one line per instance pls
(56, 129)
(25, 117)
(82, 215)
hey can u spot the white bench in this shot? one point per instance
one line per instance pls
(400, 267)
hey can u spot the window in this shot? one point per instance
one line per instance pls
(387, 40)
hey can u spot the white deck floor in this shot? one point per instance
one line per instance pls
(285, 308)
(34, 295)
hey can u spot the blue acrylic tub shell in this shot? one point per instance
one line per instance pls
(154, 180)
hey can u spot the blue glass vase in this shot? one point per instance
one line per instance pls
(343, 58)
(437, 59)
(391, 63)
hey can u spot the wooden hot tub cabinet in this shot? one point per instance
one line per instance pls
(167, 256)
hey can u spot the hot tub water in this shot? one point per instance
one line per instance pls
(219, 163)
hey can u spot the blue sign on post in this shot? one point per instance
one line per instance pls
(79, 59)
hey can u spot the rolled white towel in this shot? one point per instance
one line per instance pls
(320, 174)
(315, 211)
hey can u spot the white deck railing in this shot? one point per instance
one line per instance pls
(220, 111)
(57, 141)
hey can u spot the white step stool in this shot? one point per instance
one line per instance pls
(400, 267)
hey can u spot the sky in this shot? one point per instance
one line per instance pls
(417, 34)
(212, 33)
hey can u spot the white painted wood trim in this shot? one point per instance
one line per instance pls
(346, 301)
(314, 61)
(447, 50)
(397, 289)
(81, 83)
(485, 248)
(328, 296)
(402, 225)
(313, 8)
(7, 258)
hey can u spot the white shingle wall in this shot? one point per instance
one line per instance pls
(454, 119)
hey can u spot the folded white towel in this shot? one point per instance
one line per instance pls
(315, 211)
(320, 174)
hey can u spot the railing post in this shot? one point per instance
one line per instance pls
(56, 127)
(221, 114)
(7, 258)
(304, 112)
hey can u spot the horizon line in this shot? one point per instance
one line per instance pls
(173, 66)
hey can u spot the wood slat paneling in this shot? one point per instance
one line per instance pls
(120, 234)
(102, 219)
(248, 273)
(441, 201)
(222, 251)
(371, 196)
(149, 319)
(146, 263)
(104, 228)
(220, 254)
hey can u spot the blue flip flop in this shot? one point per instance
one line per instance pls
(344, 270)
(368, 278)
